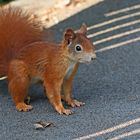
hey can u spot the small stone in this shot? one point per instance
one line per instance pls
(42, 124)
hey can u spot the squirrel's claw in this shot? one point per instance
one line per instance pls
(23, 107)
(67, 112)
(64, 111)
(75, 103)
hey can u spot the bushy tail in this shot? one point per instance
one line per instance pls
(17, 29)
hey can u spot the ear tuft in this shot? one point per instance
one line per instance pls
(83, 29)
(69, 35)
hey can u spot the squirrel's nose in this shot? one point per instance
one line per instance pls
(93, 57)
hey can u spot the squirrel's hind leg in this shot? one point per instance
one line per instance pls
(19, 81)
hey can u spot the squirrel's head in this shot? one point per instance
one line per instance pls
(80, 48)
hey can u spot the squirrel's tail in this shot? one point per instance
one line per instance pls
(17, 29)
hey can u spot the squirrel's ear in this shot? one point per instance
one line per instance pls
(83, 29)
(69, 35)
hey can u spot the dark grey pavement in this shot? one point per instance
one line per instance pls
(110, 86)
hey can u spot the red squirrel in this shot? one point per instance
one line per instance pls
(25, 58)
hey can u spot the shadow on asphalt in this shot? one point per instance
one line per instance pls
(109, 87)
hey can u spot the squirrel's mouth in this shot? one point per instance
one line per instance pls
(85, 61)
(87, 58)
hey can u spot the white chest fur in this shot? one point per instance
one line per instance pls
(70, 70)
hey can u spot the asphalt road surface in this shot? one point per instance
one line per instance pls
(110, 86)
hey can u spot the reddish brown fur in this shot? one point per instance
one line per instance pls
(26, 58)
(17, 29)
(47, 62)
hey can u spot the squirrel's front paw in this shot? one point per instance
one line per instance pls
(67, 112)
(23, 107)
(64, 111)
(75, 103)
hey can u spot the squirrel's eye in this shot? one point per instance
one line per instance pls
(78, 48)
